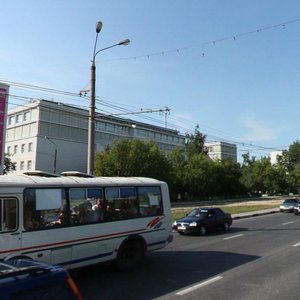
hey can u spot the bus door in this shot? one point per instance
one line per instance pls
(10, 233)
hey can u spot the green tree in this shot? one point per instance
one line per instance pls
(291, 157)
(248, 178)
(293, 179)
(132, 158)
(247, 161)
(8, 164)
(261, 176)
(177, 177)
(200, 176)
(228, 178)
(195, 143)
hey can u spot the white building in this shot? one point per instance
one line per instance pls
(52, 137)
(274, 156)
(221, 150)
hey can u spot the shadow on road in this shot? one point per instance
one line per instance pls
(162, 273)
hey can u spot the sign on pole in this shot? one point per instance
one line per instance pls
(3, 113)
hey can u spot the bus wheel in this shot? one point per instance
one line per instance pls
(130, 255)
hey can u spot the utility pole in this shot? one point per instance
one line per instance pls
(91, 127)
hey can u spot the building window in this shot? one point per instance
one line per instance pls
(22, 165)
(30, 147)
(110, 128)
(26, 116)
(29, 165)
(22, 148)
(8, 149)
(15, 149)
(11, 120)
(18, 118)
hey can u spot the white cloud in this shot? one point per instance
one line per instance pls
(258, 130)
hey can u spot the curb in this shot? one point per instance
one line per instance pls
(254, 214)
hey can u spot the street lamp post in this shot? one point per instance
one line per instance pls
(55, 153)
(91, 128)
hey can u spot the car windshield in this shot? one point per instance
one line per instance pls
(199, 213)
(289, 201)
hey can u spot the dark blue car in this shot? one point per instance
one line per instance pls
(30, 280)
(202, 220)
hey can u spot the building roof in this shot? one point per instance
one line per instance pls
(85, 112)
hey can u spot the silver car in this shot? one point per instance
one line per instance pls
(297, 209)
(289, 204)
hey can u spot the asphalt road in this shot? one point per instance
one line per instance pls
(259, 258)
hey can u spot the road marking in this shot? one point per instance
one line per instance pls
(296, 245)
(199, 285)
(233, 237)
(287, 223)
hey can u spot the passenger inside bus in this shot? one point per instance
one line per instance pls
(29, 221)
(62, 218)
(98, 210)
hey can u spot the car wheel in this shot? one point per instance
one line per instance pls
(202, 230)
(226, 226)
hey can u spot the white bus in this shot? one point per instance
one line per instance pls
(76, 221)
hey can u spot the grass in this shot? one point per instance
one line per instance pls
(181, 212)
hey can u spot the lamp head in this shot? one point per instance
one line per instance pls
(98, 26)
(124, 42)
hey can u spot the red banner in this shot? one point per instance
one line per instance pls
(3, 107)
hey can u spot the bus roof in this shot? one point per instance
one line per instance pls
(33, 180)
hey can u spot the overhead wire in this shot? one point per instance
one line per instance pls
(233, 37)
(77, 97)
(210, 137)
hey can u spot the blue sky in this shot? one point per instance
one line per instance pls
(228, 66)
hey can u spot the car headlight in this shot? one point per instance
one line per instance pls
(193, 224)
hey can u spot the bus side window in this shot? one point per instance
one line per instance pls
(112, 211)
(30, 218)
(150, 201)
(85, 204)
(9, 214)
(45, 208)
(121, 203)
(128, 196)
